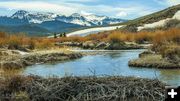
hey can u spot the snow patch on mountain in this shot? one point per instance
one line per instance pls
(92, 31)
(94, 18)
(160, 23)
(80, 22)
(177, 15)
(34, 17)
(20, 14)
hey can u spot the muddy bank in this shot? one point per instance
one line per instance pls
(19, 60)
(81, 89)
(96, 45)
(152, 60)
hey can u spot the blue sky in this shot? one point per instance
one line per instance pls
(126, 9)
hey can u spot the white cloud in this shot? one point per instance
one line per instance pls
(173, 2)
(85, 13)
(39, 6)
(121, 14)
(168, 2)
(66, 7)
(80, 0)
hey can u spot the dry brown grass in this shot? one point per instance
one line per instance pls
(168, 36)
(158, 38)
(153, 61)
(155, 37)
(166, 39)
(70, 39)
(20, 40)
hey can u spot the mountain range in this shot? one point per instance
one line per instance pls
(43, 23)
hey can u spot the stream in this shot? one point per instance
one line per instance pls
(107, 63)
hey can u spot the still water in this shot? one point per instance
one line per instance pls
(112, 63)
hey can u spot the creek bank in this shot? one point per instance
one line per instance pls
(153, 60)
(104, 45)
(17, 60)
(33, 88)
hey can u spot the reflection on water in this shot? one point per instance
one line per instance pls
(172, 76)
(108, 63)
(114, 55)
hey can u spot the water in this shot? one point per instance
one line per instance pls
(109, 64)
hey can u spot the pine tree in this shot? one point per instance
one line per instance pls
(55, 35)
(64, 34)
(60, 35)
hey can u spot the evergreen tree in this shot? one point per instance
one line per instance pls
(55, 35)
(60, 35)
(64, 34)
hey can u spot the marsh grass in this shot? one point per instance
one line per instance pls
(153, 61)
(158, 38)
(20, 40)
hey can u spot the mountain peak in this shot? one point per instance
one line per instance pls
(75, 18)
(76, 15)
(20, 14)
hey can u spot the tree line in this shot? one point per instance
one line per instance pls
(60, 35)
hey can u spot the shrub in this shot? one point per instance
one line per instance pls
(14, 42)
(2, 35)
(172, 24)
(119, 37)
(171, 53)
(43, 43)
(21, 42)
(32, 44)
(144, 36)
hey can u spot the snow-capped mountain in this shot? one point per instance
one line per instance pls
(79, 19)
(89, 20)
(45, 23)
(34, 17)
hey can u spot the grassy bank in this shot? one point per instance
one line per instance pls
(11, 59)
(164, 56)
(81, 89)
(153, 61)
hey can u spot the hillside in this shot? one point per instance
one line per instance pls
(155, 17)
(30, 30)
(58, 26)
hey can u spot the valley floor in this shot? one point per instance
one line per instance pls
(71, 88)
